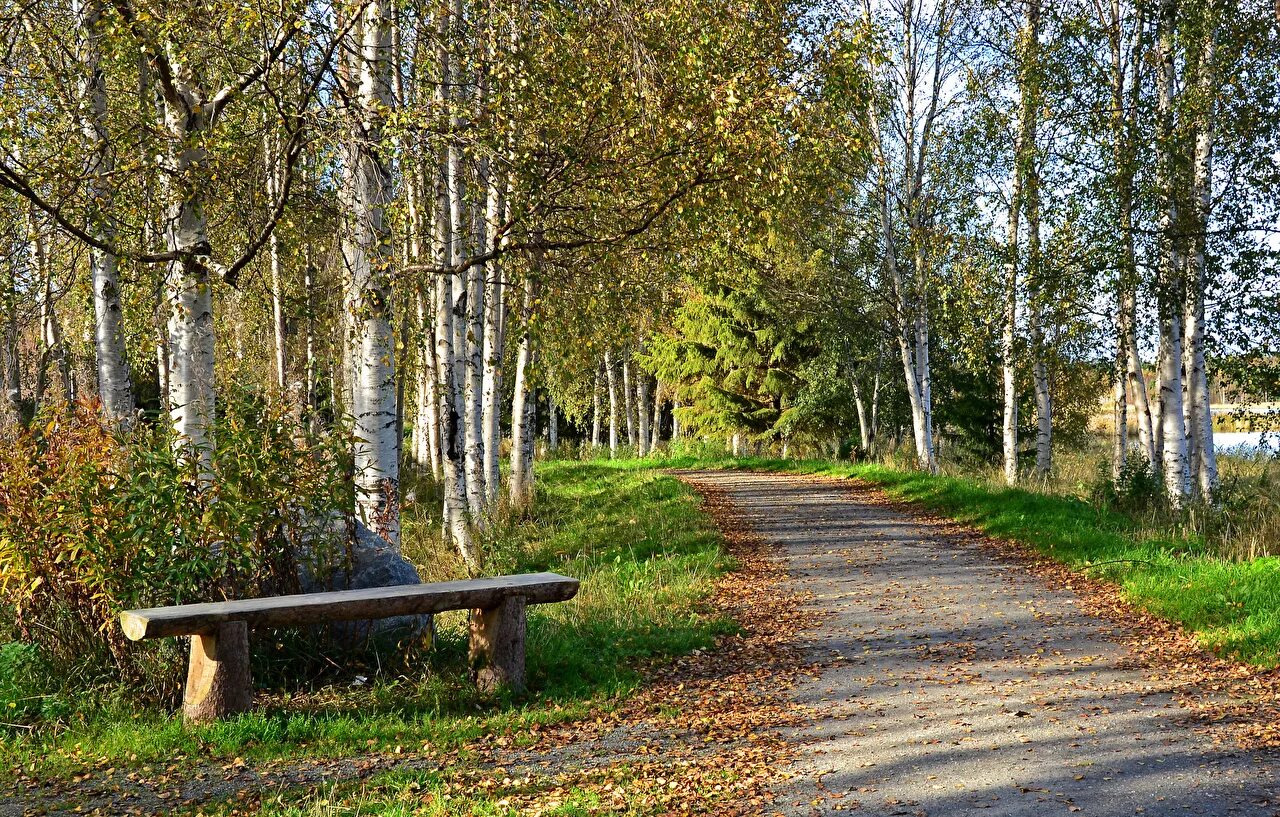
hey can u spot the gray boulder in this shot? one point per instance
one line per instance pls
(375, 562)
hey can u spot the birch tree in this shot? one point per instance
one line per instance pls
(368, 260)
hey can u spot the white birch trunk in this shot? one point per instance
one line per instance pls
(452, 452)
(610, 372)
(1119, 390)
(1008, 334)
(10, 363)
(642, 409)
(597, 421)
(1039, 366)
(312, 393)
(553, 425)
(427, 425)
(864, 419)
(475, 369)
(494, 331)
(655, 431)
(278, 319)
(628, 397)
(368, 259)
(53, 347)
(1173, 434)
(1200, 429)
(190, 298)
(522, 405)
(115, 387)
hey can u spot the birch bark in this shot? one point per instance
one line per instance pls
(278, 319)
(115, 386)
(1172, 290)
(610, 372)
(655, 431)
(628, 398)
(10, 363)
(596, 419)
(452, 453)
(522, 405)
(553, 425)
(368, 259)
(642, 409)
(494, 332)
(1200, 428)
(1008, 334)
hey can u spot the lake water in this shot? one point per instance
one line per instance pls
(1247, 442)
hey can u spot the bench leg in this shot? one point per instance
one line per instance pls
(497, 646)
(218, 683)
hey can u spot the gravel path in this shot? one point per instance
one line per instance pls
(953, 682)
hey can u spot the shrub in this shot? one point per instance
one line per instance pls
(94, 520)
(26, 693)
(1137, 487)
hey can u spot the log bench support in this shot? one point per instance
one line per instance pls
(497, 646)
(218, 681)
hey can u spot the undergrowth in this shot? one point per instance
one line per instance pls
(647, 556)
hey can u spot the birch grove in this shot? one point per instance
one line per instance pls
(454, 228)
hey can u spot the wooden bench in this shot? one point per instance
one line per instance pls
(218, 681)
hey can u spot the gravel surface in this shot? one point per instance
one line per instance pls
(954, 682)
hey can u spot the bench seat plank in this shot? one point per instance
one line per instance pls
(348, 605)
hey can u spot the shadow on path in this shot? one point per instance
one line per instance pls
(954, 683)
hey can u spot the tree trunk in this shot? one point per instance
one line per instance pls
(522, 403)
(655, 436)
(864, 418)
(1119, 395)
(10, 364)
(312, 389)
(912, 367)
(1008, 334)
(628, 396)
(475, 369)
(278, 317)
(596, 419)
(494, 337)
(1200, 429)
(368, 258)
(1039, 366)
(427, 424)
(53, 347)
(553, 427)
(452, 454)
(1030, 168)
(115, 386)
(1176, 477)
(642, 409)
(610, 371)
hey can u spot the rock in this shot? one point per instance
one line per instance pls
(375, 563)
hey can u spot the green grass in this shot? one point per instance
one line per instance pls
(1231, 606)
(432, 793)
(647, 556)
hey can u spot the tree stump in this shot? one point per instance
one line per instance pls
(497, 646)
(218, 682)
